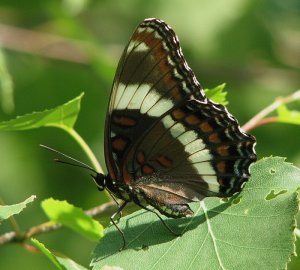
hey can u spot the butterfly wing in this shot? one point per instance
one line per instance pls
(164, 137)
(152, 77)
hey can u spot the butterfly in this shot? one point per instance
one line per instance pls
(166, 143)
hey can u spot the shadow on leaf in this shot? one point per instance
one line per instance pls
(143, 230)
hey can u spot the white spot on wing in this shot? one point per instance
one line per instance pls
(149, 101)
(177, 129)
(168, 121)
(204, 168)
(177, 75)
(153, 105)
(157, 35)
(194, 146)
(187, 137)
(162, 106)
(142, 47)
(125, 98)
(119, 92)
(131, 45)
(212, 182)
(200, 156)
(138, 97)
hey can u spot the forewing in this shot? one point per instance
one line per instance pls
(152, 78)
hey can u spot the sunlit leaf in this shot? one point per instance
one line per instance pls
(40, 246)
(254, 230)
(72, 217)
(70, 264)
(62, 263)
(8, 210)
(63, 116)
(217, 94)
(288, 116)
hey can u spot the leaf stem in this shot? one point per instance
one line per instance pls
(259, 119)
(84, 146)
(13, 222)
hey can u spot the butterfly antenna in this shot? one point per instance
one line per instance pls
(77, 163)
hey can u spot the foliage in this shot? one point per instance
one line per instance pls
(62, 263)
(8, 210)
(63, 116)
(217, 94)
(51, 51)
(241, 233)
(216, 224)
(72, 217)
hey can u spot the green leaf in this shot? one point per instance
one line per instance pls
(217, 94)
(287, 116)
(60, 262)
(72, 217)
(63, 116)
(8, 210)
(253, 230)
(69, 264)
(47, 253)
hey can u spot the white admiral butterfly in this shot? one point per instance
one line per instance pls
(166, 144)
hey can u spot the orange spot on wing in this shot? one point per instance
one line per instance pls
(223, 150)
(140, 157)
(147, 169)
(119, 144)
(214, 138)
(192, 120)
(221, 166)
(168, 79)
(126, 176)
(205, 127)
(176, 93)
(164, 161)
(124, 121)
(178, 114)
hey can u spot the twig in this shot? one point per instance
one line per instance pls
(47, 45)
(13, 237)
(259, 119)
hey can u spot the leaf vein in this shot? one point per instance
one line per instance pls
(252, 247)
(198, 251)
(212, 234)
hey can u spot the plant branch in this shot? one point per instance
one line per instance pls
(13, 237)
(47, 45)
(259, 119)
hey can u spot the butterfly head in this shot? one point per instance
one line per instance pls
(100, 180)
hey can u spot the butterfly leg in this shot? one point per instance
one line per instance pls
(163, 222)
(118, 204)
(119, 211)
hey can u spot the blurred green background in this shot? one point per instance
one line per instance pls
(52, 50)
